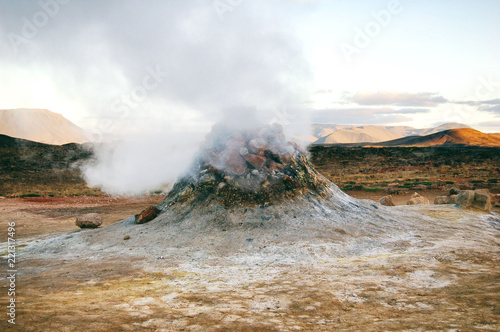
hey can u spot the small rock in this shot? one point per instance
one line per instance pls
(465, 199)
(286, 158)
(386, 200)
(274, 166)
(255, 172)
(90, 220)
(258, 146)
(442, 200)
(147, 215)
(185, 193)
(495, 200)
(213, 169)
(452, 199)
(479, 199)
(255, 160)
(417, 199)
(126, 237)
(209, 177)
(235, 163)
(482, 200)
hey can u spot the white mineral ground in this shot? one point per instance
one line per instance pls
(309, 263)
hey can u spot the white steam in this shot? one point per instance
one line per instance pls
(177, 64)
(141, 163)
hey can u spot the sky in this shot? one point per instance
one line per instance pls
(119, 67)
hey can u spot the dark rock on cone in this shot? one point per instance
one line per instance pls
(147, 215)
(256, 161)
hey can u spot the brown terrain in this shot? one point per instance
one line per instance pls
(440, 284)
(41, 126)
(451, 137)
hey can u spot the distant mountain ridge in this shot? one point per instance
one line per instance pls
(42, 126)
(463, 136)
(346, 134)
(451, 137)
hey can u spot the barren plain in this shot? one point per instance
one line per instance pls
(437, 270)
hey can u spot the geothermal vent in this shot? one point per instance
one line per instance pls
(253, 193)
(249, 167)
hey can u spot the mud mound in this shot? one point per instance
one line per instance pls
(250, 167)
(252, 195)
(336, 226)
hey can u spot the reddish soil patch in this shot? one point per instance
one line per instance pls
(54, 215)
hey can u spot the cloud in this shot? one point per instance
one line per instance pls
(478, 102)
(490, 124)
(482, 105)
(362, 115)
(423, 99)
(412, 110)
(492, 102)
(491, 109)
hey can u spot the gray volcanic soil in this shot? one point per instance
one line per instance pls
(307, 263)
(327, 228)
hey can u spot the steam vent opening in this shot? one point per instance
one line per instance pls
(251, 167)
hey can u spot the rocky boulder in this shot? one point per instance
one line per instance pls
(147, 215)
(482, 200)
(495, 200)
(442, 200)
(417, 199)
(452, 199)
(90, 220)
(478, 199)
(465, 199)
(386, 200)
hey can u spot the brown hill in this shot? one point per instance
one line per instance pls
(497, 136)
(352, 134)
(464, 136)
(358, 134)
(41, 126)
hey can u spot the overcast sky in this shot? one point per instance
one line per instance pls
(146, 64)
